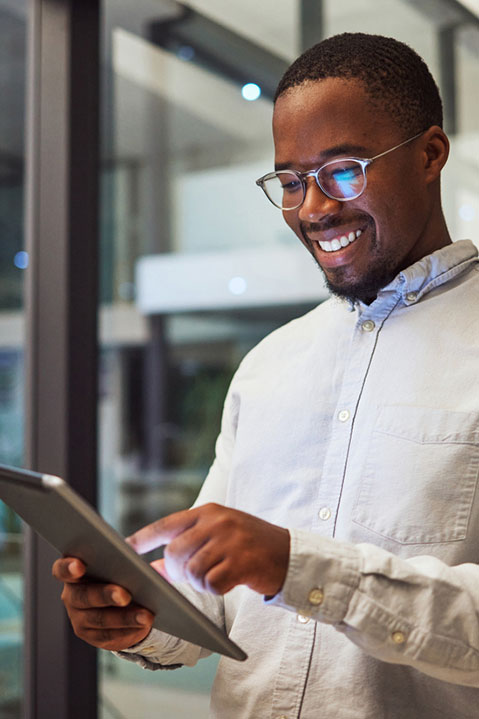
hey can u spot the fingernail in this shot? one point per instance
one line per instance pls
(73, 567)
(141, 618)
(117, 597)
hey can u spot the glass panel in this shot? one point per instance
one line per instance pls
(181, 149)
(13, 261)
(197, 266)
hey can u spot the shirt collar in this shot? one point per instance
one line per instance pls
(429, 272)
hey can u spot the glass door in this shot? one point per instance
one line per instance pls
(13, 261)
(188, 244)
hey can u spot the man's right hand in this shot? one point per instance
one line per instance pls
(101, 614)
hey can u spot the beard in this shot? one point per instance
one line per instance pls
(364, 289)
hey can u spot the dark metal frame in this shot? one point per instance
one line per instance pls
(62, 238)
(448, 75)
(311, 23)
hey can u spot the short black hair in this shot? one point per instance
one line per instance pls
(395, 77)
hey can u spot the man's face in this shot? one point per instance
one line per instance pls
(390, 222)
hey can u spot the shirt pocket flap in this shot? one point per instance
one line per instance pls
(420, 475)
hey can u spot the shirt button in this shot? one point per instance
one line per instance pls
(368, 326)
(398, 637)
(302, 619)
(316, 596)
(343, 416)
(411, 296)
(324, 513)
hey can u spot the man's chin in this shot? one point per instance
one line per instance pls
(364, 290)
(351, 294)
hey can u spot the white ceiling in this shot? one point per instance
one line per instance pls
(472, 5)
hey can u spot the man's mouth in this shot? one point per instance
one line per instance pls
(340, 241)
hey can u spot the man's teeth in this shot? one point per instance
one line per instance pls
(339, 242)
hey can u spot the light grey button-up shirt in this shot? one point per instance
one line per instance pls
(359, 431)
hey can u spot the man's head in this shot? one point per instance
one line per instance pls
(396, 78)
(357, 95)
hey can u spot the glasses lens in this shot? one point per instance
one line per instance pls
(284, 189)
(342, 179)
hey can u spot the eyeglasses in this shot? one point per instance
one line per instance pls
(342, 180)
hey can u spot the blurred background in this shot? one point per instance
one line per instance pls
(196, 267)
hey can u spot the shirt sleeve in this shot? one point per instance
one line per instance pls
(419, 612)
(163, 651)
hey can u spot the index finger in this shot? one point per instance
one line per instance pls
(68, 569)
(162, 531)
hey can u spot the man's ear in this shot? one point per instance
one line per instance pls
(435, 146)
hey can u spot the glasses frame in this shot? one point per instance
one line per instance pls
(363, 162)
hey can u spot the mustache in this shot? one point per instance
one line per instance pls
(333, 222)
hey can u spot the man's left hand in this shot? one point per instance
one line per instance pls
(215, 548)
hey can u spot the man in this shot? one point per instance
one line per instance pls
(344, 558)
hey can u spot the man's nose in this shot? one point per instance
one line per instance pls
(316, 203)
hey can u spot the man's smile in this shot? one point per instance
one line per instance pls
(342, 240)
(332, 245)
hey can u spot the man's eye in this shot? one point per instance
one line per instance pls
(290, 186)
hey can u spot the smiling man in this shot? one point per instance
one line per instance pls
(336, 535)
(340, 134)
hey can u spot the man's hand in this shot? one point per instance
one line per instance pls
(214, 548)
(101, 614)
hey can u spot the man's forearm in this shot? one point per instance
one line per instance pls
(417, 611)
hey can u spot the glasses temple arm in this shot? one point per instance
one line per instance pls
(396, 147)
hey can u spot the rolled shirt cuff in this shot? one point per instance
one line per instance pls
(322, 576)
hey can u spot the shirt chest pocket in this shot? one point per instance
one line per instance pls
(420, 475)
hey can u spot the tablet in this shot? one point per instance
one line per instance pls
(71, 525)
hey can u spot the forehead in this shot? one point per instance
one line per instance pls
(319, 115)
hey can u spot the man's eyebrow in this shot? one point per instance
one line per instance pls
(344, 150)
